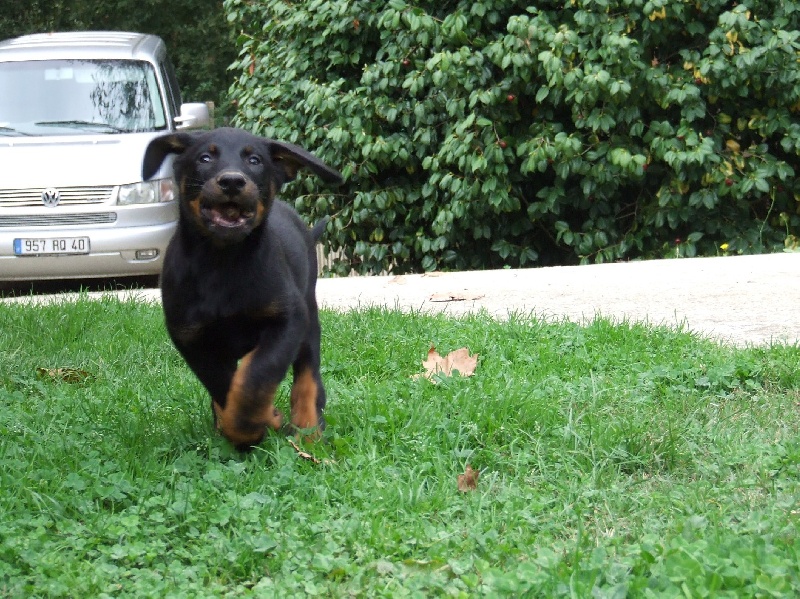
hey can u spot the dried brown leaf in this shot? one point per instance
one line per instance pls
(307, 456)
(303, 454)
(457, 360)
(66, 375)
(469, 480)
(455, 296)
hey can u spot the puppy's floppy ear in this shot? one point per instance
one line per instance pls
(157, 150)
(292, 158)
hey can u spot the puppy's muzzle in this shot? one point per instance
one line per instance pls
(230, 201)
(231, 183)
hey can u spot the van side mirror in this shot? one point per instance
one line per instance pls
(194, 115)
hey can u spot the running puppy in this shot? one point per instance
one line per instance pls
(239, 277)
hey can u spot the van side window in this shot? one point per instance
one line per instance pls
(171, 83)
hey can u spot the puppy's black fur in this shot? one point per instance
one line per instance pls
(239, 277)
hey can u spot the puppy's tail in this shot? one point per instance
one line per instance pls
(319, 228)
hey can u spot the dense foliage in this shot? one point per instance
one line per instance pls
(481, 134)
(196, 32)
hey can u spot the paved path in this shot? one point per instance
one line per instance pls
(741, 300)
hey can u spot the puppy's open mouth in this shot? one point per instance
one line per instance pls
(227, 215)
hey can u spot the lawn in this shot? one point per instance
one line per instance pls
(615, 460)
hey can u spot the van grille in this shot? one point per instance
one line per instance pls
(69, 196)
(58, 220)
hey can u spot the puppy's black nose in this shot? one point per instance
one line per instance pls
(231, 183)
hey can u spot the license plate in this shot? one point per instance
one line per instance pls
(51, 246)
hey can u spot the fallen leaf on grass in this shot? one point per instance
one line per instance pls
(457, 360)
(469, 480)
(67, 375)
(303, 454)
(307, 456)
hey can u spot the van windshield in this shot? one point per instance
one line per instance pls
(74, 97)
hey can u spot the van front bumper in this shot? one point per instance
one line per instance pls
(127, 248)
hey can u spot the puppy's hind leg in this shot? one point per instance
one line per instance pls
(308, 393)
(308, 396)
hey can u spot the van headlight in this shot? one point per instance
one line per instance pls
(146, 192)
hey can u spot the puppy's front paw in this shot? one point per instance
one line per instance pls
(245, 430)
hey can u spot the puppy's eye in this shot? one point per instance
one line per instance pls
(204, 158)
(254, 160)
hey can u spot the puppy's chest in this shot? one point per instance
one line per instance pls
(237, 334)
(230, 334)
(222, 302)
(211, 291)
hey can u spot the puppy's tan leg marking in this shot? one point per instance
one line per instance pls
(304, 400)
(247, 412)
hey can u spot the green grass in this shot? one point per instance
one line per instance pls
(616, 460)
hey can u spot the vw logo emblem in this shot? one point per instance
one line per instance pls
(50, 197)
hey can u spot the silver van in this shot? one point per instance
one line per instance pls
(77, 111)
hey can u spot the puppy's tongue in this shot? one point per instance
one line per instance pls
(226, 215)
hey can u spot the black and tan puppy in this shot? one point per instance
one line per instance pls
(239, 277)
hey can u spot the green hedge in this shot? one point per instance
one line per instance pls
(485, 134)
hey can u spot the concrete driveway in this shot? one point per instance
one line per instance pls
(740, 300)
(743, 300)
